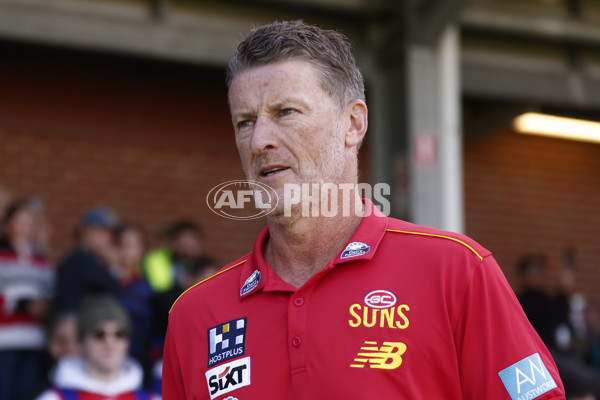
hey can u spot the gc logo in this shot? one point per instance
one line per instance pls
(380, 299)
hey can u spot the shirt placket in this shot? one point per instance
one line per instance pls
(297, 333)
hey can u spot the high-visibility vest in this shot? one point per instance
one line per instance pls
(158, 268)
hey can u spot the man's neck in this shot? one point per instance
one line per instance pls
(301, 249)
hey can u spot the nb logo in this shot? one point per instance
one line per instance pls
(388, 356)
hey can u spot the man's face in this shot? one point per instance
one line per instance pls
(287, 128)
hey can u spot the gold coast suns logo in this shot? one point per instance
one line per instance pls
(380, 310)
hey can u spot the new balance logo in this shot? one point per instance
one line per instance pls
(226, 341)
(386, 356)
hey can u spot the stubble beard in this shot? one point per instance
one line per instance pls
(329, 170)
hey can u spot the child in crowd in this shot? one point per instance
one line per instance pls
(103, 368)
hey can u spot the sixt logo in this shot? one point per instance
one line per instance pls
(388, 356)
(242, 200)
(228, 377)
(355, 249)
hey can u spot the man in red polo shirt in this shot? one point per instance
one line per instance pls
(350, 306)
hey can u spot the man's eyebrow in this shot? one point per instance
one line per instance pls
(243, 115)
(287, 101)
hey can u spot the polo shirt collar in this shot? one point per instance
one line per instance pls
(256, 274)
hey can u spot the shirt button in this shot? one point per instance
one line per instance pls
(296, 341)
(298, 301)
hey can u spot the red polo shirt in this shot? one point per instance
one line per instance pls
(403, 312)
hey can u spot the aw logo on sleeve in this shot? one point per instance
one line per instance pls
(527, 379)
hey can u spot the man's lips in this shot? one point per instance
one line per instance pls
(271, 170)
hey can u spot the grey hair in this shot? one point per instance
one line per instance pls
(328, 50)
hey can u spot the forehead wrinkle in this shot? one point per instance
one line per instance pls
(287, 100)
(259, 90)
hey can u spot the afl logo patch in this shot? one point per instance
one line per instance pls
(251, 283)
(355, 249)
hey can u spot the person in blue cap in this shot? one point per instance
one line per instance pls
(86, 268)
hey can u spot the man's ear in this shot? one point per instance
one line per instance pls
(357, 113)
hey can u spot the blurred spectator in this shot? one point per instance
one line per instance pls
(194, 270)
(135, 293)
(62, 342)
(162, 266)
(580, 383)
(592, 340)
(103, 369)
(156, 387)
(550, 315)
(86, 268)
(26, 280)
(62, 336)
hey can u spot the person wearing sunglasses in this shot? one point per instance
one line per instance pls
(103, 370)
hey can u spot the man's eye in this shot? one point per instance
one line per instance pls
(244, 124)
(287, 111)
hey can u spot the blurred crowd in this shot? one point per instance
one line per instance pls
(94, 321)
(566, 321)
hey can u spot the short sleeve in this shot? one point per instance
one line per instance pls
(500, 354)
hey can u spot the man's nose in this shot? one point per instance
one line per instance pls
(264, 135)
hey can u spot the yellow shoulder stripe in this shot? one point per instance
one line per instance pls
(201, 282)
(440, 236)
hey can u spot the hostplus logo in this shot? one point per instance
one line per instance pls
(245, 200)
(226, 341)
